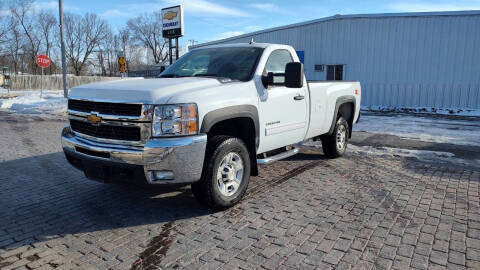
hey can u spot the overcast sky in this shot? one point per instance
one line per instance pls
(207, 20)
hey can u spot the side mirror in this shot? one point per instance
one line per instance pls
(294, 75)
(268, 79)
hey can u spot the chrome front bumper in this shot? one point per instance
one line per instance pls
(183, 156)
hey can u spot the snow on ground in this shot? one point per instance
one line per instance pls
(423, 110)
(386, 150)
(428, 128)
(400, 152)
(52, 102)
(422, 128)
(424, 155)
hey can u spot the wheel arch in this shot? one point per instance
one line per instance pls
(240, 121)
(345, 106)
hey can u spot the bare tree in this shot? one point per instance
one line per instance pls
(21, 11)
(107, 54)
(91, 45)
(146, 31)
(83, 35)
(135, 52)
(13, 47)
(3, 25)
(131, 51)
(47, 23)
(124, 38)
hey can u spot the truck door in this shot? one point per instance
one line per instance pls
(283, 116)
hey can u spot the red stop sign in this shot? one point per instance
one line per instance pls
(43, 61)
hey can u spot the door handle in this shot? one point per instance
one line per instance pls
(299, 97)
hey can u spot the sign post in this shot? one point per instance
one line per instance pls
(172, 27)
(42, 61)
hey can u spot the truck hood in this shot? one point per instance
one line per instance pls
(139, 90)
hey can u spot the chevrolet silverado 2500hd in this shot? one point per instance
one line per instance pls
(208, 120)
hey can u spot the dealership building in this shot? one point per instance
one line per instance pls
(403, 60)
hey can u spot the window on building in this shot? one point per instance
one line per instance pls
(319, 68)
(334, 72)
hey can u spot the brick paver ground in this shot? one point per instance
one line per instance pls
(356, 212)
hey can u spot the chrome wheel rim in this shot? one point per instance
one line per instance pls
(341, 137)
(230, 174)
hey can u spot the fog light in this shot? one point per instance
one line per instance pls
(162, 175)
(67, 132)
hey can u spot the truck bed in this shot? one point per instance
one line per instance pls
(324, 97)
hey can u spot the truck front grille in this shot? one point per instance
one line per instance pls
(106, 131)
(105, 107)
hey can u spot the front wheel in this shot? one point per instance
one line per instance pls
(335, 144)
(226, 173)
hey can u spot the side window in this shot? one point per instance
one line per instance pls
(277, 61)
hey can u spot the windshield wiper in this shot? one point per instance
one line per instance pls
(197, 75)
(223, 79)
(181, 76)
(167, 76)
(205, 75)
(173, 76)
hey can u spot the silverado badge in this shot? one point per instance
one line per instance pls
(94, 119)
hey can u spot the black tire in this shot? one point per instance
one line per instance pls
(207, 190)
(330, 145)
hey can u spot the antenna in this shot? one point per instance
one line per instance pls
(251, 41)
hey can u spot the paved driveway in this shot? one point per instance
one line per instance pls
(307, 212)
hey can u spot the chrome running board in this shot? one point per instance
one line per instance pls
(277, 157)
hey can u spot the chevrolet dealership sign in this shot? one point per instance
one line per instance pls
(172, 22)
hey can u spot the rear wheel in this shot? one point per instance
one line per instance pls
(335, 144)
(226, 173)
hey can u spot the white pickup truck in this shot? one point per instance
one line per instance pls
(208, 120)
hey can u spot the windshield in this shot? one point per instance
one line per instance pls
(234, 63)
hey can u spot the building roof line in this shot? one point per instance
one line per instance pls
(339, 17)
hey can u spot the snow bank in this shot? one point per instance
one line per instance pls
(29, 102)
(422, 128)
(423, 110)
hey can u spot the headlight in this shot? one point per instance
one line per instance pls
(175, 120)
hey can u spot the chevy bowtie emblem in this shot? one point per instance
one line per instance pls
(170, 15)
(94, 119)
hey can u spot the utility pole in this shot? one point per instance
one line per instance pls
(176, 48)
(64, 65)
(170, 51)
